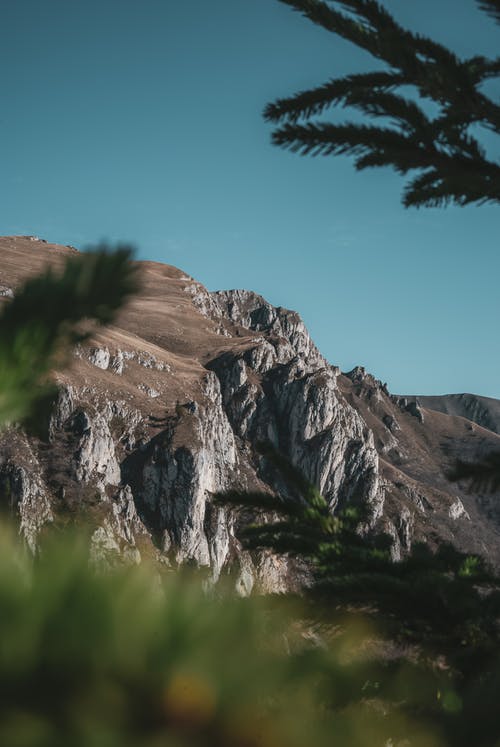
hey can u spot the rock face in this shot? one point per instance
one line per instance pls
(167, 407)
(23, 490)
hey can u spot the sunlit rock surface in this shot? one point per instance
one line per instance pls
(166, 408)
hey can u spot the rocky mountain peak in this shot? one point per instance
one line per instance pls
(165, 408)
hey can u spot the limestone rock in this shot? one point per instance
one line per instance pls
(24, 492)
(168, 407)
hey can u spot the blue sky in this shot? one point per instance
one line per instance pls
(141, 121)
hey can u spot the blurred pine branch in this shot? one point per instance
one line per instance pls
(49, 314)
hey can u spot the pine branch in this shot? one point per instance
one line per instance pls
(49, 315)
(430, 598)
(481, 68)
(338, 91)
(351, 139)
(426, 190)
(441, 146)
(323, 15)
(373, 28)
(404, 112)
(463, 175)
(492, 7)
(459, 179)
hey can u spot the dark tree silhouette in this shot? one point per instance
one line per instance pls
(445, 160)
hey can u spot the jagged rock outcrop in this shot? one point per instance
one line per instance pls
(298, 408)
(23, 490)
(168, 407)
(417, 448)
(195, 458)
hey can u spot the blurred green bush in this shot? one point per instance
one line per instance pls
(131, 657)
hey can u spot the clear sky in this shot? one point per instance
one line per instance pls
(140, 120)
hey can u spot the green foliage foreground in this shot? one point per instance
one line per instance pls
(133, 658)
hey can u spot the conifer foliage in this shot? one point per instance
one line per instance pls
(436, 598)
(439, 610)
(48, 316)
(443, 158)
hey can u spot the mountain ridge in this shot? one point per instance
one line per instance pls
(484, 411)
(166, 407)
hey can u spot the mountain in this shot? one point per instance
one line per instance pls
(484, 411)
(165, 408)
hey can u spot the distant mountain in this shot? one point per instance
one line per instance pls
(165, 408)
(484, 411)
